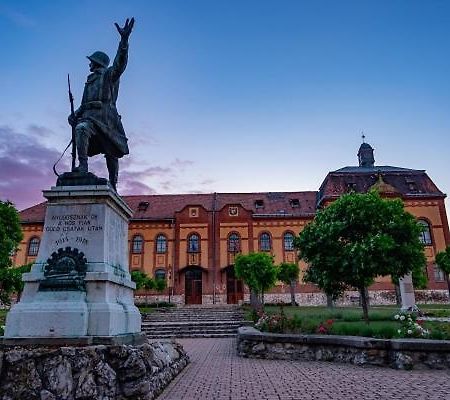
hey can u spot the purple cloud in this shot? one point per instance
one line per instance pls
(25, 168)
(182, 164)
(207, 182)
(127, 187)
(40, 131)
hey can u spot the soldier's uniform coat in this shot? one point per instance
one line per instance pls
(98, 108)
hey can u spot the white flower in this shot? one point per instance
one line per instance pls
(402, 317)
(409, 331)
(399, 331)
(396, 316)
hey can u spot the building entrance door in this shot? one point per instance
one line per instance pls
(235, 290)
(193, 286)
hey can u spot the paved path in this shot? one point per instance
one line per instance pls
(216, 373)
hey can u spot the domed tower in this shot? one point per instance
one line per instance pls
(365, 156)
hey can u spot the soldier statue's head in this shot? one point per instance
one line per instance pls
(98, 59)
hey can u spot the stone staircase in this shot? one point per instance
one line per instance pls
(193, 321)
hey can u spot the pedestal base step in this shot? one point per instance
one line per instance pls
(117, 340)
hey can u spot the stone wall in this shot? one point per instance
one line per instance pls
(350, 298)
(396, 353)
(140, 299)
(376, 298)
(91, 372)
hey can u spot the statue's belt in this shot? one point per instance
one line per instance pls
(92, 105)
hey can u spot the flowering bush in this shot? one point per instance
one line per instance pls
(271, 323)
(410, 327)
(325, 327)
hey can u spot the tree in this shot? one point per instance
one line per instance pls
(140, 279)
(443, 262)
(160, 284)
(356, 239)
(288, 274)
(258, 272)
(10, 237)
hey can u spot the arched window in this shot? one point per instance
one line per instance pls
(265, 242)
(33, 246)
(137, 245)
(160, 274)
(234, 243)
(425, 235)
(288, 241)
(194, 243)
(161, 244)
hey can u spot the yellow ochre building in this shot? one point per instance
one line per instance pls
(191, 240)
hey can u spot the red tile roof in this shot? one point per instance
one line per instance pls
(166, 205)
(407, 182)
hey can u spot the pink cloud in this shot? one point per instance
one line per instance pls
(134, 187)
(25, 168)
(182, 164)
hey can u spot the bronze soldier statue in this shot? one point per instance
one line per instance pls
(98, 126)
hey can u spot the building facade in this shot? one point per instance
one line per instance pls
(191, 240)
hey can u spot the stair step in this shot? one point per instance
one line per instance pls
(197, 335)
(193, 321)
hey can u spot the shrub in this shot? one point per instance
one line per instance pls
(324, 328)
(410, 327)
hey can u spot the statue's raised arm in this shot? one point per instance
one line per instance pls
(120, 61)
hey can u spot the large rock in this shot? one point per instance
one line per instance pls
(91, 372)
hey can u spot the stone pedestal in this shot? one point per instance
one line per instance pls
(407, 293)
(80, 285)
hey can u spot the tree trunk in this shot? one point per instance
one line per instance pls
(255, 301)
(366, 291)
(448, 286)
(330, 302)
(364, 304)
(292, 285)
(398, 295)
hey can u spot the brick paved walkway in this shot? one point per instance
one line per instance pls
(216, 373)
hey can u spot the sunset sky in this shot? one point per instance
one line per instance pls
(230, 96)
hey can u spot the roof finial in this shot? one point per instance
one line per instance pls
(363, 136)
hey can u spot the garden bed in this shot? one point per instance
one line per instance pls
(348, 321)
(395, 353)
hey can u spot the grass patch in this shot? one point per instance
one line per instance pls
(346, 321)
(376, 329)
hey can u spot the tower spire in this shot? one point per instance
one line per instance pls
(365, 154)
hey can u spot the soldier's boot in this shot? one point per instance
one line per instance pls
(83, 165)
(112, 163)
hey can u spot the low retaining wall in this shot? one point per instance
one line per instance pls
(91, 372)
(396, 353)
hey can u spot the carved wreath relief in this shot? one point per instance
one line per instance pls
(65, 270)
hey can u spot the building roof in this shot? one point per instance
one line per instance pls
(164, 206)
(406, 182)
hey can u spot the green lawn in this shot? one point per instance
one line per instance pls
(349, 320)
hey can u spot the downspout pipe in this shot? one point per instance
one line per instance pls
(214, 206)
